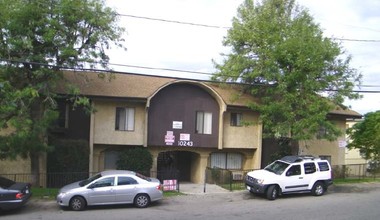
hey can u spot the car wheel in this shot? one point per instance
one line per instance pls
(318, 189)
(77, 203)
(142, 200)
(272, 192)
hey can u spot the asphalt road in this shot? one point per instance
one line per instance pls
(355, 201)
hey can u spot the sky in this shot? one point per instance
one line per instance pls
(161, 47)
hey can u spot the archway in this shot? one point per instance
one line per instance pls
(176, 165)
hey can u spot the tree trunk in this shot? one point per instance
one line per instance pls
(35, 168)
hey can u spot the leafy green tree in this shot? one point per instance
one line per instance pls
(136, 159)
(38, 39)
(365, 136)
(280, 54)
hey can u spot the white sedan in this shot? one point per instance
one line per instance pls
(111, 187)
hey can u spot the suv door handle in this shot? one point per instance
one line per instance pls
(300, 177)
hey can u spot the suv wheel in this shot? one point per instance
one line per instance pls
(318, 189)
(272, 192)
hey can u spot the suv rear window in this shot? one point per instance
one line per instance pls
(309, 168)
(323, 166)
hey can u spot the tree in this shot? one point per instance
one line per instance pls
(37, 40)
(280, 55)
(365, 136)
(136, 159)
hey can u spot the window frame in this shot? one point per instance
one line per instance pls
(127, 120)
(236, 119)
(203, 122)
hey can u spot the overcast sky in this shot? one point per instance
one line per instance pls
(168, 45)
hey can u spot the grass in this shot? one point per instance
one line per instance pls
(44, 193)
(363, 180)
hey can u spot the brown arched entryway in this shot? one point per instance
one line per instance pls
(175, 165)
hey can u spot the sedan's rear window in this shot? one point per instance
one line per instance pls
(5, 183)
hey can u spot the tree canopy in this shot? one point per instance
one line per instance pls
(281, 56)
(37, 40)
(365, 136)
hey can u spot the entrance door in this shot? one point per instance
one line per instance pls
(174, 165)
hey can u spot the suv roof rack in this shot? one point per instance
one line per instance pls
(297, 158)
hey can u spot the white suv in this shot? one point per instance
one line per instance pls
(291, 174)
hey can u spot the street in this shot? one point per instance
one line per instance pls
(354, 201)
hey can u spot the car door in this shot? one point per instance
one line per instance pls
(101, 191)
(126, 189)
(294, 179)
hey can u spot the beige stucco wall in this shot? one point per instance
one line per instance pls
(353, 156)
(19, 165)
(246, 137)
(104, 124)
(320, 147)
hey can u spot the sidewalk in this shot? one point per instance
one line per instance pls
(193, 188)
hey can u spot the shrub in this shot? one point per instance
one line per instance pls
(136, 159)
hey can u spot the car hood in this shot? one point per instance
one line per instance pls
(262, 174)
(70, 187)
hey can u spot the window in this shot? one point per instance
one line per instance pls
(232, 161)
(109, 181)
(203, 123)
(294, 170)
(110, 159)
(322, 133)
(125, 119)
(323, 166)
(236, 119)
(309, 168)
(63, 118)
(125, 180)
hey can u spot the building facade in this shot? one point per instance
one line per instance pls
(186, 125)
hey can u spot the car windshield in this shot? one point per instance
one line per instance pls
(89, 180)
(277, 167)
(5, 183)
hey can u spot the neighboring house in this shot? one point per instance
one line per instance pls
(334, 151)
(353, 156)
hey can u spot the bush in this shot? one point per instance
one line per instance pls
(136, 159)
(69, 155)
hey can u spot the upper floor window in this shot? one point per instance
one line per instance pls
(63, 117)
(125, 119)
(236, 119)
(203, 123)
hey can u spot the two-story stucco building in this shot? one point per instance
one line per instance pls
(185, 125)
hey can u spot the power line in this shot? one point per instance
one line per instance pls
(173, 21)
(224, 27)
(142, 74)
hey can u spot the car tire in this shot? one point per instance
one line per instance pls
(272, 192)
(77, 203)
(141, 200)
(318, 189)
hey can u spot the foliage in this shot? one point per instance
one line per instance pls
(136, 159)
(280, 54)
(284, 148)
(365, 136)
(69, 156)
(37, 40)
